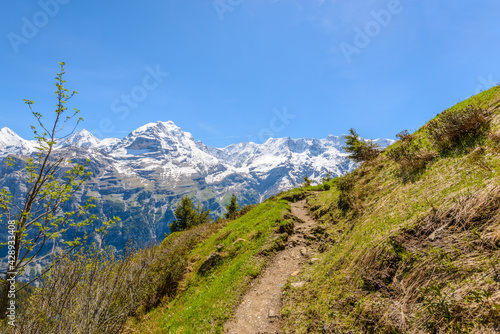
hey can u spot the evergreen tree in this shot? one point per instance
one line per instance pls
(327, 177)
(232, 207)
(202, 215)
(184, 215)
(307, 181)
(187, 216)
(360, 150)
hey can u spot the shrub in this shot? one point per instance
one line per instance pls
(347, 199)
(360, 150)
(453, 127)
(495, 137)
(95, 291)
(409, 154)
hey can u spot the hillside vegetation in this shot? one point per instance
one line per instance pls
(417, 235)
(407, 243)
(411, 242)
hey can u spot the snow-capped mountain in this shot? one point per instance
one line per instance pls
(163, 152)
(141, 177)
(11, 143)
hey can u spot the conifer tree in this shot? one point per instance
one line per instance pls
(202, 215)
(307, 181)
(187, 216)
(360, 150)
(232, 207)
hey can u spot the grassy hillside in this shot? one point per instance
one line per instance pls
(411, 242)
(417, 238)
(206, 299)
(407, 243)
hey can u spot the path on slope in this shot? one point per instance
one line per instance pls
(259, 311)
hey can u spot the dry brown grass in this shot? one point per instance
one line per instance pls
(410, 156)
(95, 291)
(452, 127)
(441, 276)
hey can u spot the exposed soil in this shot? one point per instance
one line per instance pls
(259, 311)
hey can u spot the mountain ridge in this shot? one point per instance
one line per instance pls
(141, 177)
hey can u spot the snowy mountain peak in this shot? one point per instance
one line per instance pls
(6, 132)
(159, 129)
(81, 138)
(11, 143)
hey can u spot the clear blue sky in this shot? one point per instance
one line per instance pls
(234, 65)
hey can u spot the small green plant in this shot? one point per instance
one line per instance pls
(306, 182)
(347, 198)
(327, 177)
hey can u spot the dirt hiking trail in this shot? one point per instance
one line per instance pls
(259, 311)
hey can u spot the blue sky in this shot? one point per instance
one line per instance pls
(243, 70)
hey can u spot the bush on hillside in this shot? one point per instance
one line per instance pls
(95, 291)
(306, 182)
(409, 154)
(495, 137)
(453, 127)
(347, 198)
(232, 207)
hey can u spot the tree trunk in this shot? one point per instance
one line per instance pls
(4, 300)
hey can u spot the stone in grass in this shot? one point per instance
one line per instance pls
(298, 284)
(210, 262)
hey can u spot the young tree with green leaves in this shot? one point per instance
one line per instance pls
(43, 216)
(232, 207)
(360, 150)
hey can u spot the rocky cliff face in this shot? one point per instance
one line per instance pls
(141, 177)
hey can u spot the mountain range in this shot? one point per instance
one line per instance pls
(141, 177)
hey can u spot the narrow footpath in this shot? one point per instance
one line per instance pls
(259, 311)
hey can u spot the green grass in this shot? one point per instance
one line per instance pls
(208, 299)
(356, 285)
(381, 269)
